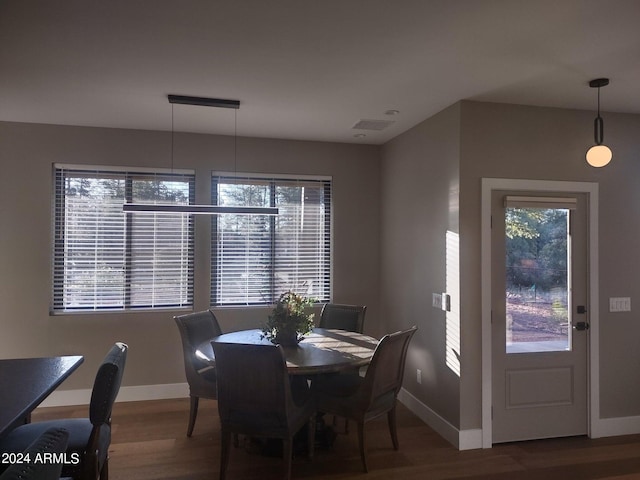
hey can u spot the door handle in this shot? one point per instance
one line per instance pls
(580, 326)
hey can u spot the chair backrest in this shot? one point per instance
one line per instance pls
(254, 395)
(344, 317)
(107, 384)
(52, 441)
(386, 370)
(195, 328)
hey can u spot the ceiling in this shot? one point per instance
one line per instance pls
(308, 69)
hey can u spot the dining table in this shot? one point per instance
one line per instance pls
(320, 351)
(26, 382)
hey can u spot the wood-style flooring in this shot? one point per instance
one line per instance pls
(149, 443)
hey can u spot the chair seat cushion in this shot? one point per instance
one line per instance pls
(342, 395)
(79, 431)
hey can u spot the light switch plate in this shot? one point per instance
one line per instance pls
(441, 301)
(436, 300)
(619, 304)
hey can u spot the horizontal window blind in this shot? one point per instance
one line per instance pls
(104, 259)
(257, 257)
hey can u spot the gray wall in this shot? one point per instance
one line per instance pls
(419, 206)
(510, 141)
(27, 152)
(427, 170)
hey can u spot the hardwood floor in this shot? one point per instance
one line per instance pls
(150, 443)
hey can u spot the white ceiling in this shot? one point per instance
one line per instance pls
(308, 69)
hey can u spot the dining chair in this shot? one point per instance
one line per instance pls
(362, 399)
(343, 317)
(196, 328)
(89, 438)
(52, 441)
(262, 404)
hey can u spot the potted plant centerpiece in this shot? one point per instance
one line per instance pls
(289, 319)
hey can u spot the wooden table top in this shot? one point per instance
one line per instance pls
(26, 382)
(321, 351)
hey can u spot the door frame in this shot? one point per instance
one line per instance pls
(593, 355)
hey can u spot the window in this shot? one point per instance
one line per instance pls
(257, 257)
(104, 259)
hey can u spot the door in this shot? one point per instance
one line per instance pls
(539, 321)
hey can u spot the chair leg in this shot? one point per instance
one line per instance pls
(363, 451)
(287, 452)
(391, 418)
(104, 473)
(225, 449)
(311, 436)
(193, 413)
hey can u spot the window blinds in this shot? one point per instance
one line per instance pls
(256, 258)
(104, 259)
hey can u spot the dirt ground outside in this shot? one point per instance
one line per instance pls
(534, 320)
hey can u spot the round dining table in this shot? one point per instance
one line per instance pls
(320, 351)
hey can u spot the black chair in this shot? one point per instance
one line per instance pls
(343, 317)
(364, 398)
(196, 328)
(52, 441)
(255, 398)
(89, 438)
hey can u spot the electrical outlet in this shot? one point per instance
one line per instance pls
(419, 376)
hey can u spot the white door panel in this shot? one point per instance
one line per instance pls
(539, 279)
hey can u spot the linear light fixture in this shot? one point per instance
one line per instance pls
(200, 209)
(204, 102)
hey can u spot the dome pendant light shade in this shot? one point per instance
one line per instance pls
(599, 155)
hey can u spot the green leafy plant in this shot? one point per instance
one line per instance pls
(289, 319)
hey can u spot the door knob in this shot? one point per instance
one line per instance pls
(580, 326)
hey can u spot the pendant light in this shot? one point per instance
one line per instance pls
(599, 155)
(200, 209)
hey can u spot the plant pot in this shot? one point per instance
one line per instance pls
(286, 339)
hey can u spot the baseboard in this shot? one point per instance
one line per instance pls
(612, 427)
(461, 439)
(61, 398)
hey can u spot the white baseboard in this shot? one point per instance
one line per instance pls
(61, 398)
(461, 439)
(611, 427)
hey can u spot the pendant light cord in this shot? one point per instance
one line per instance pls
(172, 138)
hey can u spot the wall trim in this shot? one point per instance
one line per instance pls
(461, 439)
(62, 398)
(612, 427)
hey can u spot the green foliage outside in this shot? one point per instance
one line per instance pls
(536, 248)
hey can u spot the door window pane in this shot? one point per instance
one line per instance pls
(538, 266)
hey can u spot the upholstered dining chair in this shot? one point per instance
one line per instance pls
(263, 403)
(343, 317)
(362, 399)
(89, 438)
(196, 328)
(52, 441)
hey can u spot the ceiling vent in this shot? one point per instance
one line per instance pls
(372, 124)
